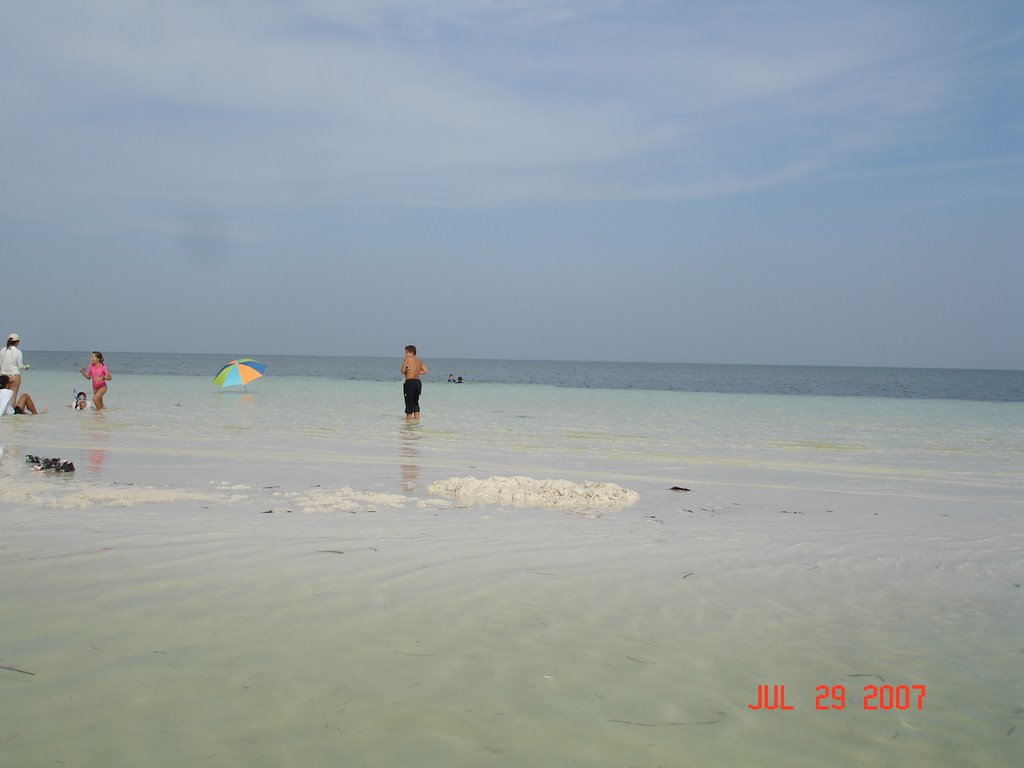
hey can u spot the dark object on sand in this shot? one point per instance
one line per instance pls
(56, 464)
(677, 488)
(15, 669)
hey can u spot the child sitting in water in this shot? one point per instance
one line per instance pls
(81, 402)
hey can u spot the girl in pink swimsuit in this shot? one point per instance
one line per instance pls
(99, 374)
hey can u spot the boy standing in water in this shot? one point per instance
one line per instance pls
(412, 369)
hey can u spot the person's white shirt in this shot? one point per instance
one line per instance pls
(5, 402)
(11, 361)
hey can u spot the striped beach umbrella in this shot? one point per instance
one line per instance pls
(238, 373)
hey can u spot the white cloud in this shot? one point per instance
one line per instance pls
(458, 102)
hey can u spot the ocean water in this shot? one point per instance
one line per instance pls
(913, 383)
(265, 578)
(524, 418)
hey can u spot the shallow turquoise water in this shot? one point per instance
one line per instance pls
(264, 579)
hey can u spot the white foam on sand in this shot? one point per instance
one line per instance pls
(344, 499)
(530, 492)
(322, 500)
(71, 495)
(317, 500)
(99, 495)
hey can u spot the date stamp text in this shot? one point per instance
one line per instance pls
(836, 697)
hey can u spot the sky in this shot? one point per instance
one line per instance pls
(818, 183)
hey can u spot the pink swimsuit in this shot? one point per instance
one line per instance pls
(97, 371)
